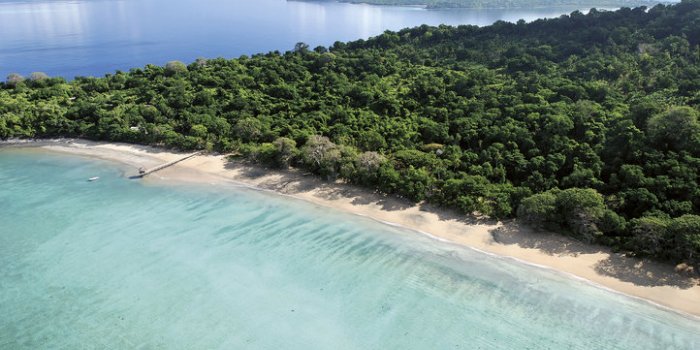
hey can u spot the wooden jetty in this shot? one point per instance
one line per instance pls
(145, 172)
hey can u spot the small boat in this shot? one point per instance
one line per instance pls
(94, 178)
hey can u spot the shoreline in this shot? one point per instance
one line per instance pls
(653, 282)
(449, 8)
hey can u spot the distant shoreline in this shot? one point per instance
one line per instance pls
(428, 7)
(654, 282)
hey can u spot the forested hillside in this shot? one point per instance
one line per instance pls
(587, 124)
(506, 3)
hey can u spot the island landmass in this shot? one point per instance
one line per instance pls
(587, 125)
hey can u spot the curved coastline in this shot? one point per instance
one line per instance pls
(649, 281)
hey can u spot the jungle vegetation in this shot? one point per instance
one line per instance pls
(584, 124)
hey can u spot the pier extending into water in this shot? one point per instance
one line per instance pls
(145, 172)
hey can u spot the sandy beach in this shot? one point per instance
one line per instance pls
(652, 281)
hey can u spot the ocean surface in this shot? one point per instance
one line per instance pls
(93, 37)
(125, 264)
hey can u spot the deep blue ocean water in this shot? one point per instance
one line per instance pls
(94, 37)
(124, 264)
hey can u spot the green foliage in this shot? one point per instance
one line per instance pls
(540, 208)
(586, 123)
(684, 234)
(367, 168)
(580, 211)
(577, 202)
(321, 156)
(285, 151)
(249, 129)
(677, 239)
(677, 129)
(175, 67)
(649, 236)
(38, 76)
(13, 79)
(611, 223)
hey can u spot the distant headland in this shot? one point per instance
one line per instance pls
(493, 4)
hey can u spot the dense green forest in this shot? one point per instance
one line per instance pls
(586, 124)
(506, 3)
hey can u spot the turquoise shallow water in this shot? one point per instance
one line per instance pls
(124, 264)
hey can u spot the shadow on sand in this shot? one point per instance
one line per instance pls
(643, 272)
(640, 272)
(550, 243)
(294, 181)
